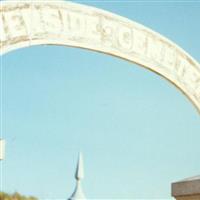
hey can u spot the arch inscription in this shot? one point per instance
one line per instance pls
(28, 23)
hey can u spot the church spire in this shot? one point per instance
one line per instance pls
(79, 175)
(79, 169)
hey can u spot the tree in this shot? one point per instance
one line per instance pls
(15, 196)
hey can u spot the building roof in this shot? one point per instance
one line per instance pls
(186, 187)
(191, 179)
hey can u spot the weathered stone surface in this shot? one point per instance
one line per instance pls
(187, 189)
(29, 23)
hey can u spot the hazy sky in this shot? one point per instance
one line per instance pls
(137, 132)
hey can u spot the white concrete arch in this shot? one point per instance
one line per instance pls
(26, 23)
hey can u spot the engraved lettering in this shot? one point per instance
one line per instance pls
(125, 38)
(15, 24)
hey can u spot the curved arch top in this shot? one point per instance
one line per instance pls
(28, 23)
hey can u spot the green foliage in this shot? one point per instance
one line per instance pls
(15, 196)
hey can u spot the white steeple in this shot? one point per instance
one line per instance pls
(79, 175)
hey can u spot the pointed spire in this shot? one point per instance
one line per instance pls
(79, 175)
(79, 169)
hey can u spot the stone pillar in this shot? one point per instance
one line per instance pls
(2, 149)
(187, 189)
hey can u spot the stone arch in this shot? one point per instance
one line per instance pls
(26, 23)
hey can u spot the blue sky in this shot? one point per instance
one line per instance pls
(137, 132)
